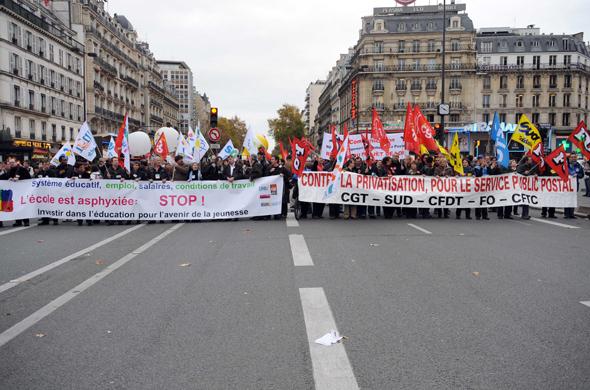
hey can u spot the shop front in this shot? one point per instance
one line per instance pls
(26, 149)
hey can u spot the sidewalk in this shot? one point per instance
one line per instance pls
(583, 202)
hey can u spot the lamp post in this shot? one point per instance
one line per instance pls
(443, 109)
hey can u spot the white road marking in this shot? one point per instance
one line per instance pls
(299, 250)
(291, 221)
(585, 303)
(331, 367)
(419, 228)
(520, 222)
(563, 225)
(52, 306)
(17, 229)
(49, 267)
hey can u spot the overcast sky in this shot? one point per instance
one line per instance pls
(250, 57)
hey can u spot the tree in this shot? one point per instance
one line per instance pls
(234, 129)
(289, 124)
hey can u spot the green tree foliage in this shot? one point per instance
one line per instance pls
(234, 129)
(288, 124)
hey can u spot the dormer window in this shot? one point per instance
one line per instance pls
(379, 26)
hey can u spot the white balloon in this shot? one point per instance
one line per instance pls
(139, 143)
(171, 137)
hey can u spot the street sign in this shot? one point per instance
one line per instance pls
(215, 146)
(214, 134)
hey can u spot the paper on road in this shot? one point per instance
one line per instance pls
(330, 338)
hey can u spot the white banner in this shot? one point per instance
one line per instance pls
(449, 192)
(130, 200)
(357, 148)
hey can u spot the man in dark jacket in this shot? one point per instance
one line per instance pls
(577, 172)
(232, 171)
(115, 171)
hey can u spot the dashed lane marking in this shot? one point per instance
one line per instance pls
(299, 250)
(563, 225)
(331, 367)
(291, 221)
(17, 229)
(419, 228)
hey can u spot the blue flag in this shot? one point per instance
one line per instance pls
(497, 134)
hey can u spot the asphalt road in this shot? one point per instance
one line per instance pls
(438, 304)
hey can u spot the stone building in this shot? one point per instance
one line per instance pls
(398, 60)
(179, 75)
(543, 76)
(41, 80)
(312, 97)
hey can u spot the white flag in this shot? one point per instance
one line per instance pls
(183, 148)
(66, 150)
(227, 151)
(249, 148)
(191, 139)
(111, 150)
(201, 146)
(84, 145)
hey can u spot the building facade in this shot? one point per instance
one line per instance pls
(158, 97)
(312, 98)
(203, 109)
(113, 75)
(41, 80)
(179, 75)
(546, 77)
(398, 60)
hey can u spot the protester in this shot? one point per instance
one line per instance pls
(577, 172)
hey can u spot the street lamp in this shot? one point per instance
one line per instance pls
(443, 109)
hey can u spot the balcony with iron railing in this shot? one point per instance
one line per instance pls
(424, 47)
(531, 67)
(132, 81)
(110, 69)
(416, 68)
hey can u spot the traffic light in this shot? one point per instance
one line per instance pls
(213, 117)
(438, 131)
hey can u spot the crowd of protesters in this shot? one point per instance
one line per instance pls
(230, 169)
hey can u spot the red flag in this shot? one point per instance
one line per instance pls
(410, 135)
(301, 149)
(538, 156)
(557, 161)
(425, 130)
(161, 147)
(120, 136)
(378, 133)
(581, 138)
(335, 145)
(368, 148)
(284, 153)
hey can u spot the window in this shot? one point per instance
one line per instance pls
(503, 61)
(431, 46)
(455, 23)
(416, 46)
(487, 82)
(42, 47)
(486, 101)
(553, 81)
(43, 131)
(31, 99)
(566, 119)
(552, 60)
(502, 117)
(63, 133)
(60, 54)
(536, 62)
(51, 58)
(15, 64)
(535, 117)
(485, 117)
(401, 27)
(565, 42)
(16, 95)
(31, 129)
(29, 40)
(566, 99)
(552, 100)
(552, 119)
(520, 82)
(14, 33)
(378, 66)
(43, 103)
(567, 81)
(487, 47)
(536, 100)
(503, 101)
(455, 83)
(455, 45)
(517, 117)
(29, 69)
(455, 118)
(401, 85)
(567, 60)
(520, 60)
(17, 127)
(71, 133)
(378, 85)
(519, 100)
(378, 47)
(536, 81)
(431, 84)
(402, 46)
(503, 82)
(53, 132)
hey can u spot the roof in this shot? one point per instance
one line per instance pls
(513, 43)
